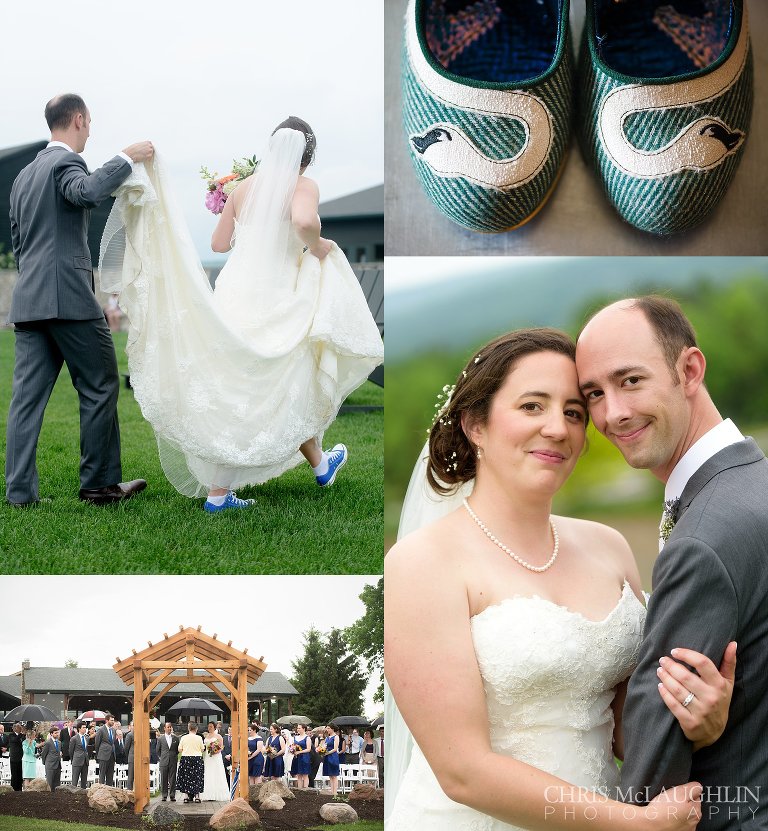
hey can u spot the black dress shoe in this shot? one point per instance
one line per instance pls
(112, 493)
(164, 798)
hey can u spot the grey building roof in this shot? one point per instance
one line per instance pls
(86, 680)
(10, 685)
(22, 149)
(368, 202)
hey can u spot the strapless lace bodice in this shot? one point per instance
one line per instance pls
(549, 676)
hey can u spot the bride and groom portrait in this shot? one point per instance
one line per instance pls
(238, 383)
(539, 661)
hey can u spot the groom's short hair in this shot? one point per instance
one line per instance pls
(671, 327)
(60, 111)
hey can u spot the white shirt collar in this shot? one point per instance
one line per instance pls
(60, 144)
(719, 437)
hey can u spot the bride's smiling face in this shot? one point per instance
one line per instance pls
(535, 429)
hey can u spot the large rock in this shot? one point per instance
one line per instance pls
(238, 814)
(276, 786)
(4, 789)
(338, 812)
(367, 793)
(68, 789)
(271, 802)
(37, 785)
(163, 814)
(103, 802)
(121, 797)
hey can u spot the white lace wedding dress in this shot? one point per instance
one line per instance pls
(215, 782)
(549, 677)
(234, 381)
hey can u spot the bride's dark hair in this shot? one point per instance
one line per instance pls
(452, 457)
(295, 123)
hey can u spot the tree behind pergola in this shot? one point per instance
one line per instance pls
(188, 657)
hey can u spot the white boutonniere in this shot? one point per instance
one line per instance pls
(669, 518)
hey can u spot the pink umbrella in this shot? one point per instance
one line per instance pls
(93, 715)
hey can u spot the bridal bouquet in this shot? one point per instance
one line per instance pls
(215, 747)
(219, 187)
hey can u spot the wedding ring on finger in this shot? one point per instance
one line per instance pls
(687, 700)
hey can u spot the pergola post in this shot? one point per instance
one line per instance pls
(243, 788)
(140, 742)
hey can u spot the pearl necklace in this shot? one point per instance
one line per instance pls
(484, 528)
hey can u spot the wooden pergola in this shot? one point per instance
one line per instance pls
(188, 657)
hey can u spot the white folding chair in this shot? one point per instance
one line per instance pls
(121, 776)
(154, 778)
(369, 775)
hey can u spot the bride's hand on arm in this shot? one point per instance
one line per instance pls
(704, 720)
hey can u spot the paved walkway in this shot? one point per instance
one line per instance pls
(191, 808)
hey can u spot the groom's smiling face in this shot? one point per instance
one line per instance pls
(634, 398)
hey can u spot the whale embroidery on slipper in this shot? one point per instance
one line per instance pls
(456, 154)
(702, 145)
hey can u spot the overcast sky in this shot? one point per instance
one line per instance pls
(206, 81)
(266, 615)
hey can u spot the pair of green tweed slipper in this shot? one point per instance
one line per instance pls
(662, 106)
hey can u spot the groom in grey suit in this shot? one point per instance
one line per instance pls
(105, 751)
(78, 754)
(643, 376)
(56, 316)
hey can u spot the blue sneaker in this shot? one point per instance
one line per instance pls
(337, 458)
(231, 501)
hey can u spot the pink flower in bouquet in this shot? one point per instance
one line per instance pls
(215, 200)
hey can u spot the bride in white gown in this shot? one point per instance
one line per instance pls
(215, 781)
(239, 384)
(528, 625)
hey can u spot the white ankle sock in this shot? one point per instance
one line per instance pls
(217, 500)
(322, 468)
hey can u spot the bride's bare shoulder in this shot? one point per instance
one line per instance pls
(425, 549)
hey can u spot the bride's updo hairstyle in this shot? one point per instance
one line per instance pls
(452, 457)
(294, 123)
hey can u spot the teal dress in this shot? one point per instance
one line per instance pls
(28, 760)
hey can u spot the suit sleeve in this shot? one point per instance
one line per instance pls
(693, 605)
(45, 751)
(15, 238)
(88, 190)
(97, 742)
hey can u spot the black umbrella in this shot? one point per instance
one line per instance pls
(31, 712)
(194, 707)
(377, 722)
(350, 721)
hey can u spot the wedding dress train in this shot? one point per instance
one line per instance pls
(549, 676)
(233, 381)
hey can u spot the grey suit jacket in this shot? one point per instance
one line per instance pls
(77, 755)
(128, 743)
(710, 586)
(50, 202)
(103, 747)
(168, 756)
(49, 757)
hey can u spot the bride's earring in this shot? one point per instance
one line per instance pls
(479, 453)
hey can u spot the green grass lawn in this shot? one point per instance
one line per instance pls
(360, 825)
(295, 528)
